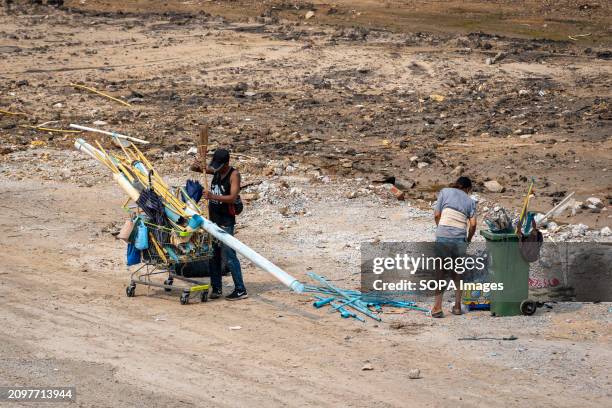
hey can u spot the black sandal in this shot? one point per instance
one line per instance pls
(438, 315)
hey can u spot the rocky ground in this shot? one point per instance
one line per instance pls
(419, 108)
(66, 319)
(324, 116)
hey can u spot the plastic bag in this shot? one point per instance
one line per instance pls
(194, 190)
(126, 231)
(133, 255)
(142, 236)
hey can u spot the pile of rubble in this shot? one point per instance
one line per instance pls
(556, 231)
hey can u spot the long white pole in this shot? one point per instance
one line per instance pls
(244, 250)
(104, 132)
(556, 208)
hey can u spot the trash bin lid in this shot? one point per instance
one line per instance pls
(498, 236)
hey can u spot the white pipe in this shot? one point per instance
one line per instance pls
(104, 132)
(252, 256)
(557, 208)
(125, 184)
(85, 147)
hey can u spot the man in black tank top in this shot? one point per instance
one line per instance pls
(224, 190)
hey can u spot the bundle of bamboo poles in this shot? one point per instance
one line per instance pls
(133, 172)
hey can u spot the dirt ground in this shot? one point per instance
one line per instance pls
(66, 319)
(317, 110)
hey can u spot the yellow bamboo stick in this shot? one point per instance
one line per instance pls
(172, 200)
(525, 205)
(126, 172)
(159, 184)
(156, 176)
(44, 129)
(109, 157)
(124, 150)
(13, 113)
(101, 94)
(160, 252)
(104, 161)
(141, 158)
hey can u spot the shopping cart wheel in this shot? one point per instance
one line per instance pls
(130, 290)
(184, 298)
(168, 282)
(204, 296)
(528, 307)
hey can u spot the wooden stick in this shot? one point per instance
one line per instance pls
(13, 113)
(525, 206)
(126, 172)
(101, 94)
(203, 151)
(143, 159)
(104, 158)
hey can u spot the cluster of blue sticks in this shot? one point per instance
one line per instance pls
(348, 302)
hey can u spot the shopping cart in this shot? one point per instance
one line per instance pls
(176, 253)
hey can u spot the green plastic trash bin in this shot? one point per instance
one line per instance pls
(507, 266)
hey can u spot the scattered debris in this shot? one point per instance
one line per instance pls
(509, 338)
(100, 93)
(457, 171)
(498, 57)
(404, 183)
(576, 36)
(498, 220)
(399, 194)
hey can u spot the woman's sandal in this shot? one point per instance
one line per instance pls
(438, 314)
(456, 311)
